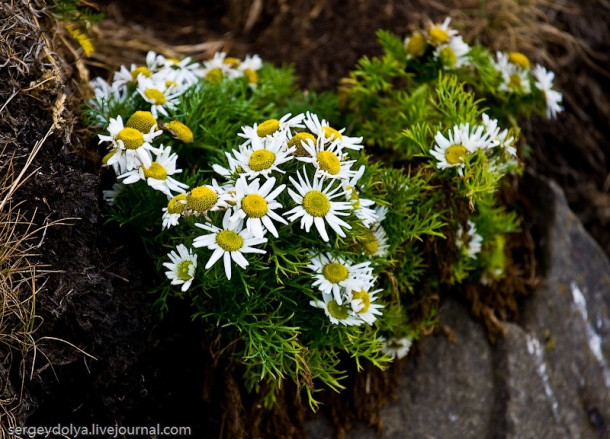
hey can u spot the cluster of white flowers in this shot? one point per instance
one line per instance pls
(448, 46)
(518, 77)
(468, 240)
(445, 45)
(464, 139)
(161, 81)
(132, 152)
(311, 158)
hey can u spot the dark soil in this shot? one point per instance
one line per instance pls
(147, 371)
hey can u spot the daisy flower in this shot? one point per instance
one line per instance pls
(255, 204)
(132, 147)
(262, 157)
(362, 206)
(183, 72)
(181, 268)
(515, 79)
(439, 34)
(363, 304)
(298, 141)
(321, 128)
(415, 45)
(205, 198)
(328, 159)
(544, 83)
(126, 76)
(337, 313)
(249, 67)
(336, 275)
(111, 194)
(469, 240)
(453, 54)
(315, 205)
(396, 348)
(375, 242)
(450, 151)
(173, 211)
(271, 127)
(499, 137)
(381, 212)
(160, 95)
(158, 174)
(230, 243)
(216, 69)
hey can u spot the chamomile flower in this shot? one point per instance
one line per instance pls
(105, 94)
(173, 211)
(159, 94)
(415, 45)
(158, 174)
(249, 68)
(453, 54)
(396, 348)
(202, 199)
(501, 138)
(334, 275)
(337, 313)
(328, 159)
(132, 147)
(375, 242)
(544, 83)
(315, 205)
(450, 151)
(216, 69)
(183, 72)
(323, 130)
(439, 34)
(363, 304)
(363, 207)
(515, 79)
(262, 157)
(469, 240)
(182, 266)
(125, 76)
(271, 127)
(255, 205)
(230, 243)
(381, 212)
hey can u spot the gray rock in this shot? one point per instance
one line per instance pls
(547, 378)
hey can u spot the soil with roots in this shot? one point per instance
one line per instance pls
(101, 354)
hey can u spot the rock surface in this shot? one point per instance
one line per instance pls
(547, 378)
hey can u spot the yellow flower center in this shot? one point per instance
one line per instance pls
(131, 138)
(233, 62)
(268, 127)
(251, 75)
(365, 298)
(519, 59)
(316, 203)
(261, 159)
(183, 269)
(169, 83)
(229, 241)
(201, 199)
(370, 243)
(214, 75)
(329, 162)
(177, 204)
(455, 154)
(173, 60)
(142, 70)
(254, 205)
(448, 56)
(107, 157)
(180, 131)
(331, 133)
(354, 197)
(155, 95)
(416, 45)
(340, 312)
(438, 36)
(514, 81)
(156, 171)
(335, 272)
(297, 140)
(142, 121)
